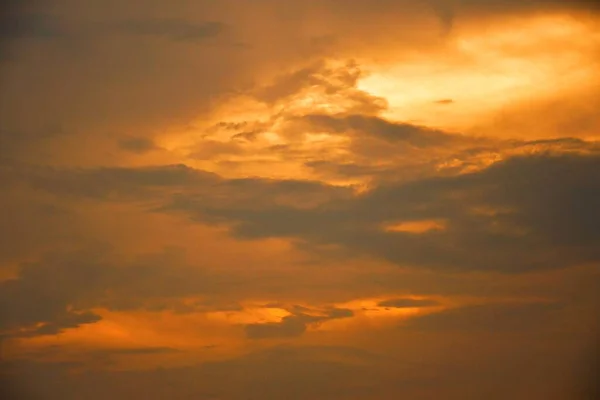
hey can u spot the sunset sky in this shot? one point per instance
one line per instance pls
(299, 199)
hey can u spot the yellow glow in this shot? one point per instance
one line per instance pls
(483, 72)
(462, 88)
(250, 315)
(416, 226)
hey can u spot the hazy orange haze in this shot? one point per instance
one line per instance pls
(299, 199)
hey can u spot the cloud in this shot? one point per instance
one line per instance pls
(521, 214)
(20, 26)
(293, 325)
(383, 129)
(70, 320)
(332, 84)
(250, 135)
(290, 326)
(518, 215)
(448, 11)
(301, 372)
(177, 187)
(489, 318)
(140, 350)
(174, 29)
(137, 145)
(408, 303)
(54, 293)
(115, 182)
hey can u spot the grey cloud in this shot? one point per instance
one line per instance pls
(32, 221)
(291, 83)
(449, 11)
(407, 303)
(30, 301)
(340, 313)
(115, 182)
(290, 326)
(143, 350)
(375, 170)
(45, 292)
(100, 74)
(57, 290)
(137, 144)
(347, 169)
(314, 372)
(175, 187)
(489, 318)
(14, 144)
(543, 216)
(294, 373)
(71, 320)
(509, 6)
(15, 25)
(175, 29)
(522, 214)
(446, 13)
(293, 325)
(56, 350)
(381, 128)
(334, 82)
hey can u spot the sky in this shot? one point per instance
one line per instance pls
(304, 200)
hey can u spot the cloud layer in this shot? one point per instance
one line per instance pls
(341, 200)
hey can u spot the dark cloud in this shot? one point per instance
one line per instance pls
(53, 294)
(110, 69)
(380, 128)
(20, 23)
(525, 213)
(176, 187)
(32, 222)
(115, 182)
(293, 325)
(522, 6)
(31, 300)
(348, 169)
(17, 25)
(137, 145)
(291, 83)
(309, 372)
(290, 326)
(15, 144)
(489, 318)
(408, 303)
(338, 83)
(70, 320)
(300, 373)
(522, 214)
(141, 350)
(446, 13)
(449, 11)
(174, 29)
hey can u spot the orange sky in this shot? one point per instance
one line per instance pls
(299, 200)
